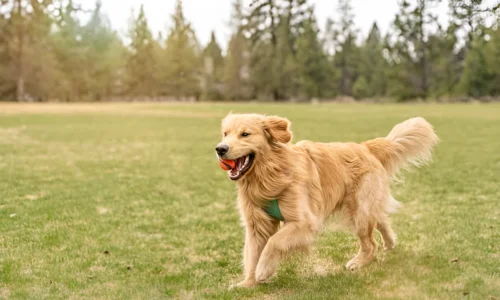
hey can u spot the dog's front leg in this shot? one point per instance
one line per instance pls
(257, 234)
(292, 236)
(251, 253)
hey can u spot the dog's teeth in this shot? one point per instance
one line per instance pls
(246, 160)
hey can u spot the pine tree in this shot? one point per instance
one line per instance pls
(70, 53)
(262, 29)
(314, 70)
(295, 18)
(19, 20)
(361, 88)
(469, 16)
(29, 69)
(236, 68)
(142, 65)
(213, 70)
(372, 80)
(183, 68)
(445, 64)
(7, 85)
(341, 37)
(284, 64)
(492, 54)
(273, 27)
(474, 80)
(104, 56)
(411, 48)
(481, 74)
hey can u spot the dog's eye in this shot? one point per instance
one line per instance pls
(225, 133)
(244, 134)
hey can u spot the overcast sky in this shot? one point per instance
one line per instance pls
(208, 15)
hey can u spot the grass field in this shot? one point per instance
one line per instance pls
(126, 201)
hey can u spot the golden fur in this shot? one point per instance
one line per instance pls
(312, 181)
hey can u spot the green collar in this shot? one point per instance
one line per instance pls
(273, 210)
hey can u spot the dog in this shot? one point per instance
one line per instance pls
(312, 181)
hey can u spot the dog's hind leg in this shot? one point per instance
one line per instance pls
(367, 244)
(384, 227)
(390, 205)
(366, 209)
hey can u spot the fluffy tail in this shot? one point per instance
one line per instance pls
(409, 144)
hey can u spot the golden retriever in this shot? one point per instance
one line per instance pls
(311, 181)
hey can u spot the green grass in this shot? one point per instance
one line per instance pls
(122, 201)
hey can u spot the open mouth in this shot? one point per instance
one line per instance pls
(243, 164)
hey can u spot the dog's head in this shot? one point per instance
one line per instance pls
(248, 139)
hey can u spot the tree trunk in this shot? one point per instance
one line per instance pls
(20, 57)
(274, 42)
(20, 88)
(424, 68)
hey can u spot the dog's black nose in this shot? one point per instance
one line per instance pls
(222, 149)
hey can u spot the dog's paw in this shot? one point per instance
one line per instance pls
(389, 247)
(352, 265)
(263, 275)
(248, 283)
(356, 263)
(264, 271)
(359, 262)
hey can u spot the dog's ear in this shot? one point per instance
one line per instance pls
(278, 129)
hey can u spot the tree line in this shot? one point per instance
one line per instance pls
(276, 52)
